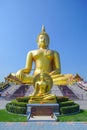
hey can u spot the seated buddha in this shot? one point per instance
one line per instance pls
(42, 87)
(45, 60)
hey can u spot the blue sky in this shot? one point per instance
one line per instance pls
(65, 22)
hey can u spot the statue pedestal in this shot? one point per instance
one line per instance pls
(42, 110)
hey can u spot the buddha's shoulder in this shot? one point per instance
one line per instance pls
(32, 51)
(55, 52)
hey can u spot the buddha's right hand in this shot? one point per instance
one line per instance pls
(56, 71)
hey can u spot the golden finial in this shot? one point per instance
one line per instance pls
(43, 28)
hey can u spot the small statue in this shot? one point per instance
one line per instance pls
(42, 91)
(45, 60)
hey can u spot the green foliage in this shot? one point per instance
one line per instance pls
(78, 117)
(10, 117)
(21, 104)
(18, 106)
(23, 99)
(15, 109)
(69, 109)
(67, 103)
(62, 99)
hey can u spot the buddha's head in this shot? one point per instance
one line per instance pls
(43, 39)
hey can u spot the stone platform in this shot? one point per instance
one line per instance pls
(42, 110)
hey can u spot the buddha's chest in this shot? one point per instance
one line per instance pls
(46, 54)
(42, 84)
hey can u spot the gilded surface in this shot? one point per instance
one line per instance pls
(45, 60)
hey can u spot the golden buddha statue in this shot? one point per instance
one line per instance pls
(42, 87)
(45, 60)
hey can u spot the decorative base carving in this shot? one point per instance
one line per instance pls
(42, 111)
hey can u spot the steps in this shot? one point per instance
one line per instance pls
(42, 119)
(66, 91)
(80, 93)
(29, 91)
(56, 90)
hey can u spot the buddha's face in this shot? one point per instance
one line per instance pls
(43, 41)
(42, 77)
